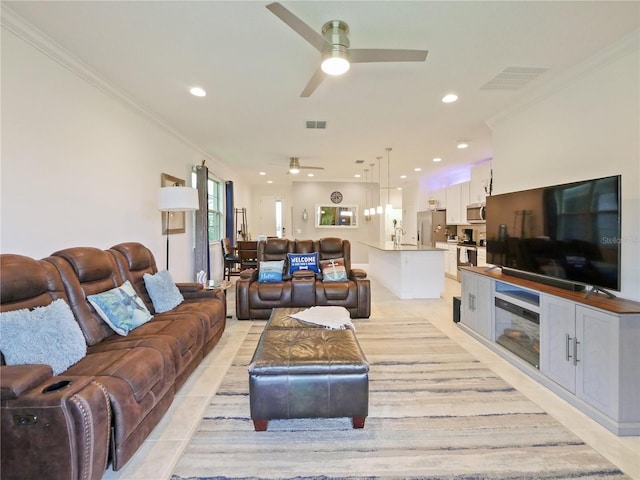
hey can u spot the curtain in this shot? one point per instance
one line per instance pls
(230, 229)
(202, 262)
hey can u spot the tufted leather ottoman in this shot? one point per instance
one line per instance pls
(308, 373)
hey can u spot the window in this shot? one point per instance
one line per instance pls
(215, 207)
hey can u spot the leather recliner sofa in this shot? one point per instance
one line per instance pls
(304, 288)
(100, 410)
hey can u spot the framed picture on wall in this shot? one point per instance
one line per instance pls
(172, 222)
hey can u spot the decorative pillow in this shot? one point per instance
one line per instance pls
(333, 270)
(163, 291)
(270, 271)
(45, 335)
(121, 308)
(303, 261)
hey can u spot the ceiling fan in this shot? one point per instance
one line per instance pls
(334, 46)
(295, 167)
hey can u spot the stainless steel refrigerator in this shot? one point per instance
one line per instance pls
(432, 227)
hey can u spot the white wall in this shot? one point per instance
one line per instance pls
(81, 167)
(305, 195)
(587, 127)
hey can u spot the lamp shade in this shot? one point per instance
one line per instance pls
(177, 199)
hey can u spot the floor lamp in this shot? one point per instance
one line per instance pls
(176, 199)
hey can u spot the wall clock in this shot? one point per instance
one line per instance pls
(336, 197)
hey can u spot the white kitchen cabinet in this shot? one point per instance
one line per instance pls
(453, 205)
(475, 307)
(480, 178)
(440, 196)
(452, 269)
(457, 201)
(481, 257)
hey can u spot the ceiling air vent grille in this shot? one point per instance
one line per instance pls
(316, 124)
(514, 78)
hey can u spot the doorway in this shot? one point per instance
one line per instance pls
(272, 216)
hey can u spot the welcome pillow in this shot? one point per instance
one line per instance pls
(303, 261)
(270, 271)
(333, 270)
(121, 308)
(45, 335)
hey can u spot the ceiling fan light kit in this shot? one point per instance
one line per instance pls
(294, 166)
(335, 60)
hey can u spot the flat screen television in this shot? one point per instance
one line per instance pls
(566, 235)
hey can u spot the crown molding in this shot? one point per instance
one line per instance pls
(15, 24)
(617, 50)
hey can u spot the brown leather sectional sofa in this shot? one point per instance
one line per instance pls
(255, 299)
(100, 410)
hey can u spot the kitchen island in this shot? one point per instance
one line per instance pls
(409, 271)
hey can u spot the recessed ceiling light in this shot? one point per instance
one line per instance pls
(263, 173)
(417, 169)
(462, 145)
(403, 176)
(269, 181)
(309, 174)
(197, 92)
(357, 175)
(437, 159)
(450, 98)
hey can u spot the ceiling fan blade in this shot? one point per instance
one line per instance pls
(366, 55)
(316, 80)
(301, 28)
(311, 168)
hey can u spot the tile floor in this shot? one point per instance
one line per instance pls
(155, 459)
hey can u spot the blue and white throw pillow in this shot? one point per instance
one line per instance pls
(270, 271)
(121, 308)
(303, 261)
(163, 291)
(46, 335)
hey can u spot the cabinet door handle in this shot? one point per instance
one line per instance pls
(568, 347)
(575, 350)
(472, 306)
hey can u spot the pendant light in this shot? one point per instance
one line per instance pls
(366, 195)
(389, 206)
(367, 215)
(379, 207)
(372, 209)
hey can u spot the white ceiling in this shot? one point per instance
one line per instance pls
(254, 68)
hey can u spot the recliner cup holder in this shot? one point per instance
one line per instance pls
(54, 387)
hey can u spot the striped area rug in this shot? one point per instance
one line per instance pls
(435, 412)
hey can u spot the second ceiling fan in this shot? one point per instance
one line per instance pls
(333, 44)
(295, 167)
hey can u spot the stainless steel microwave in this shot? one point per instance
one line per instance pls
(476, 213)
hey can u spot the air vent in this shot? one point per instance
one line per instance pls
(358, 162)
(514, 78)
(316, 124)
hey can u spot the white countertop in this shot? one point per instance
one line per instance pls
(389, 247)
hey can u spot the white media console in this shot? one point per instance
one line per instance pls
(586, 350)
